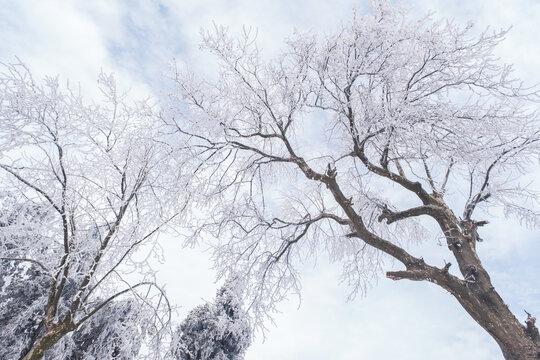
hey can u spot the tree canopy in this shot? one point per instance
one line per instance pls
(345, 144)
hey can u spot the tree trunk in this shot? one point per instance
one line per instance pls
(480, 299)
(51, 337)
(476, 293)
(487, 308)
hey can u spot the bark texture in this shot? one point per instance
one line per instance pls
(51, 337)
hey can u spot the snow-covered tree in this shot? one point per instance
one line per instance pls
(113, 333)
(24, 284)
(20, 317)
(106, 335)
(215, 331)
(344, 144)
(97, 175)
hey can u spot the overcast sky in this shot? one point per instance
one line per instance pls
(137, 40)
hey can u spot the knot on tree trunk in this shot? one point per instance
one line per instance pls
(469, 229)
(470, 274)
(532, 330)
(331, 171)
(385, 215)
(454, 242)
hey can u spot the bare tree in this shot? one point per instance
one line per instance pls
(346, 143)
(96, 174)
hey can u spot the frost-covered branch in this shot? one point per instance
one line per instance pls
(385, 113)
(84, 187)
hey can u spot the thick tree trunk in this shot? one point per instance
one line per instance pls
(486, 307)
(480, 299)
(51, 337)
(475, 292)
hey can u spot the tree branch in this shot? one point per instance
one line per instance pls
(391, 216)
(29, 260)
(32, 186)
(415, 187)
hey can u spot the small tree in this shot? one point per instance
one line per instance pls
(96, 174)
(343, 144)
(215, 331)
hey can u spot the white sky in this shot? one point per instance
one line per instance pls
(397, 320)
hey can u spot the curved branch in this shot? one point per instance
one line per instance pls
(483, 194)
(100, 306)
(391, 216)
(307, 223)
(32, 186)
(32, 261)
(413, 186)
(432, 274)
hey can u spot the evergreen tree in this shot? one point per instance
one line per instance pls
(215, 331)
(22, 288)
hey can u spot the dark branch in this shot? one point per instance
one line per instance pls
(391, 216)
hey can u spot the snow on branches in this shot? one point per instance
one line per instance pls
(342, 143)
(219, 330)
(83, 189)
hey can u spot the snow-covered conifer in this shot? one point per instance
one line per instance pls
(215, 331)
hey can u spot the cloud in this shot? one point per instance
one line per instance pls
(51, 37)
(61, 37)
